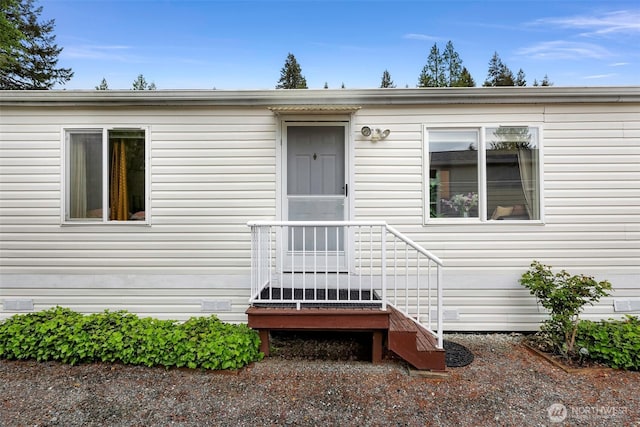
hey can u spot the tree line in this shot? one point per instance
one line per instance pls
(443, 69)
(29, 60)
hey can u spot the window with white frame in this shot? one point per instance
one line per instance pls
(105, 175)
(488, 173)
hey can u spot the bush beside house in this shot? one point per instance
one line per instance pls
(613, 342)
(64, 335)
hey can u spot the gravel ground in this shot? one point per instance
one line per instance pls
(505, 385)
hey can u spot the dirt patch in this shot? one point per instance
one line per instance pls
(354, 346)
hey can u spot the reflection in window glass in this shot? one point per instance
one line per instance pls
(512, 173)
(126, 175)
(123, 171)
(85, 175)
(453, 173)
(509, 168)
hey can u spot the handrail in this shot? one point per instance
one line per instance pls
(317, 223)
(313, 266)
(414, 245)
(391, 229)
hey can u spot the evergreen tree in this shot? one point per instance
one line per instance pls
(386, 80)
(291, 75)
(545, 82)
(10, 36)
(140, 83)
(452, 64)
(465, 79)
(499, 74)
(326, 85)
(103, 85)
(29, 61)
(520, 78)
(433, 73)
(444, 69)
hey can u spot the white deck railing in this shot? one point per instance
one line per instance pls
(345, 262)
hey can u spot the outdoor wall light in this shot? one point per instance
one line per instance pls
(375, 134)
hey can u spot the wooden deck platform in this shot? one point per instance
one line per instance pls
(400, 334)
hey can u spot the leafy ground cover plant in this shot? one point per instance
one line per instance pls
(613, 342)
(70, 337)
(564, 296)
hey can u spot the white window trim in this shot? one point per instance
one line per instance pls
(482, 173)
(64, 170)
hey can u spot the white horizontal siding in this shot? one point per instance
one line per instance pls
(166, 297)
(214, 169)
(592, 206)
(211, 171)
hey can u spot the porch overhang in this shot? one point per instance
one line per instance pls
(314, 109)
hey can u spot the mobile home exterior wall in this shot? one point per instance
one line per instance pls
(213, 164)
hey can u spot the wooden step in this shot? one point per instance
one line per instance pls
(407, 339)
(414, 343)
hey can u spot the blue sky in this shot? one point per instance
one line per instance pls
(243, 44)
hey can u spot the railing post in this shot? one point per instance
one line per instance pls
(440, 310)
(383, 266)
(270, 260)
(258, 257)
(253, 262)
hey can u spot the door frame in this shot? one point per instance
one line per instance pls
(281, 164)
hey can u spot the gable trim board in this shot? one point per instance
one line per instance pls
(214, 161)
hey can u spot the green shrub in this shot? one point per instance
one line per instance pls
(564, 296)
(613, 342)
(69, 337)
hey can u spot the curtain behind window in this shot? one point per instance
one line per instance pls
(528, 175)
(85, 169)
(119, 195)
(78, 202)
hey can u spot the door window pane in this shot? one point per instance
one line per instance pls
(316, 209)
(315, 160)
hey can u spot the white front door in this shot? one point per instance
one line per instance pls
(315, 189)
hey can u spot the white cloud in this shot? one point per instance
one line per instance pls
(600, 76)
(619, 64)
(413, 36)
(100, 52)
(618, 22)
(561, 49)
